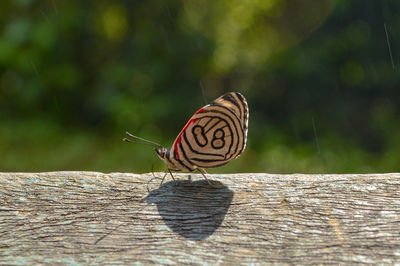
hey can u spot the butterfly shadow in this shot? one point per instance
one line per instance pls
(194, 210)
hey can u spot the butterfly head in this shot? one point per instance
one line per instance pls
(162, 153)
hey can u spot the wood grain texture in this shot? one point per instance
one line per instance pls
(89, 217)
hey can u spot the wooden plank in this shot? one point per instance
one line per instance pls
(89, 217)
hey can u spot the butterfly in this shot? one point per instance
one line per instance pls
(213, 136)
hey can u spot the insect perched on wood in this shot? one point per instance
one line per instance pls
(213, 136)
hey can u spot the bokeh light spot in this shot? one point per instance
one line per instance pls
(115, 22)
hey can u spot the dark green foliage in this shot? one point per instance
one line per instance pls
(321, 78)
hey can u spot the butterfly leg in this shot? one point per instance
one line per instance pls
(165, 175)
(169, 170)
(162, 181)
(203, 172)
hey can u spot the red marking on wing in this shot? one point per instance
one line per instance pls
(179, 138)
(200, 110)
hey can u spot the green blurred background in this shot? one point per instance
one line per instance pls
(321, 79)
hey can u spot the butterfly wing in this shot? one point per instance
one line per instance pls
(215, 134)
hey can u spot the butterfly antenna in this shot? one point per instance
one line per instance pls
(146, 142)
(131, 141)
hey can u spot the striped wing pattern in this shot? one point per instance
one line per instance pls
(214, 135)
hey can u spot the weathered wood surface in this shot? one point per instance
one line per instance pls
(88, 217)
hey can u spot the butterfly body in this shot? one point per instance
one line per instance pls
(213, 136)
